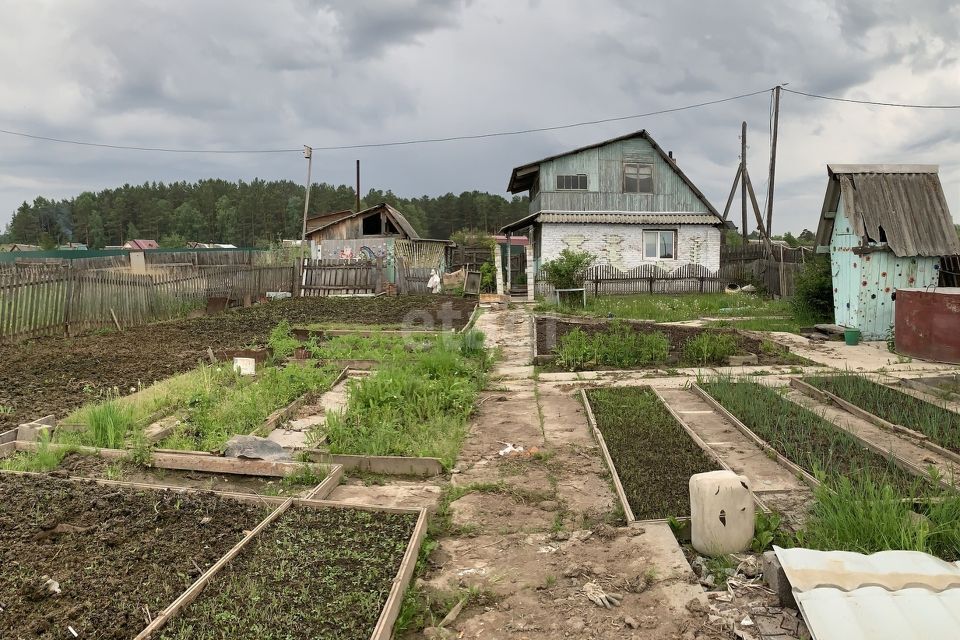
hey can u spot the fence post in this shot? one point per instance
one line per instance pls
(67, 298)
(297, 271)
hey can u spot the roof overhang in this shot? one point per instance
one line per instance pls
(613, 217)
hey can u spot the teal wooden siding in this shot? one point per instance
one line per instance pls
(864, 284)
(603, 167)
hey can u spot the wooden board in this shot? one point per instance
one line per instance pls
(387, 465)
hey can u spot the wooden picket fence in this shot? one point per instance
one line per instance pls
(42, 300)
(331, 277)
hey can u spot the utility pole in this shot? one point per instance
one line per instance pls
(358, 185)
(308, 154)
(773, 158)
(743, 182)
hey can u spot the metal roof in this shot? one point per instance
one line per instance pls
(904, 203)
(895, 595)
(611, 217)
(523, 177)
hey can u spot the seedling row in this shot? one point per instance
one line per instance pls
(652, 457)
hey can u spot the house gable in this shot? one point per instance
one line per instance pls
(600, 168)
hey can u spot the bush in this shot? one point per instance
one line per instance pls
(813, 294)
(488, 278)
(568, 270)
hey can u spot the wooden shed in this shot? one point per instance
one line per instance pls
(355, 234)
(885, 227)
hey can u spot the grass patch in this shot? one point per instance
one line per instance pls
(43, 459)
(653, 455)
(941, 425)
(791, 324)
(108, 424)
(709, 348)
(417, 406)
(241, 408)
(678, 307)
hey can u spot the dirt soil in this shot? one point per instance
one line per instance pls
(56, 375)
(314, 574)
(550, 330)
(111, 553)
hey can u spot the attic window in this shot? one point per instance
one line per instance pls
(637, 177)
(391, 229)
(371, 225)
(576, 182)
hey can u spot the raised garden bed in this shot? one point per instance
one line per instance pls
(894, 408)
(619, 344)
(119, 556)
(805, 439)
(56, 375)
(315, 572)
(944, 387)
(652, 455)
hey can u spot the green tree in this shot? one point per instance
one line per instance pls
(172, 241)
(96, 237)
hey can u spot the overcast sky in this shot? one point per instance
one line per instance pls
(226, 74)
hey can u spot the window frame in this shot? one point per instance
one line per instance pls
(578, 176)
(638, 164)
(659, 244)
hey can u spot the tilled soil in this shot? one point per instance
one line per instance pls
(314, 574)
(550, 330)
(113, 553)
(56, 375)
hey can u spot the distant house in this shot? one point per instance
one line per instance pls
(73, 246)
(352, 234)
(625, 200)
(140, 245)
(885, 227)
(24, 247)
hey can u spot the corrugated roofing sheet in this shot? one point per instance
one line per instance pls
(873, 613)
(895, 595)
(905, 201)
(629, 218)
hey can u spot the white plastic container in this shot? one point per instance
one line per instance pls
(721, 513)
(245, 366)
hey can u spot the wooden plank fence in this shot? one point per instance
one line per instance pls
(326, 277)
(410, 278)
(41, 300)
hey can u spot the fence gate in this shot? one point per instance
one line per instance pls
(326, 277)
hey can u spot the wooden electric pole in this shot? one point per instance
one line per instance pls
(743, 183)
(773, 158)
(308, 154)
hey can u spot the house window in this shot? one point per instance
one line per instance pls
(659, 245)
(572, 182)
(637, 177)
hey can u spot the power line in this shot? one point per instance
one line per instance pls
(541, 129)
(382, 144)
(104, 145)
(873, 102)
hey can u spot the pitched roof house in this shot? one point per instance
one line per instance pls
(885, 227)
(624, 199)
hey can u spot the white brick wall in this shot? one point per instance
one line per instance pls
(621, 245)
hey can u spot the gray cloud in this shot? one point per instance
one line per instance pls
(223, 74)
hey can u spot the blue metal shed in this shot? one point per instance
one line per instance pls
(885, 227)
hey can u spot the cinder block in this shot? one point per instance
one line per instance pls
(740, 361)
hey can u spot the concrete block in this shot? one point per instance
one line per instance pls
(31, 431)
(776, 579)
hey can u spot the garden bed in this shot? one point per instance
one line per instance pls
(315, 572)
(652, 455)
(618, 344)
(55, 375)
(118, 555)
(894, 408)
(805, 439)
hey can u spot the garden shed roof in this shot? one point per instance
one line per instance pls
(903, 203)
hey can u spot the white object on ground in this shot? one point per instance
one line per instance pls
(510, 448)
(434, 282)
(245, 366)
(721, 513)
